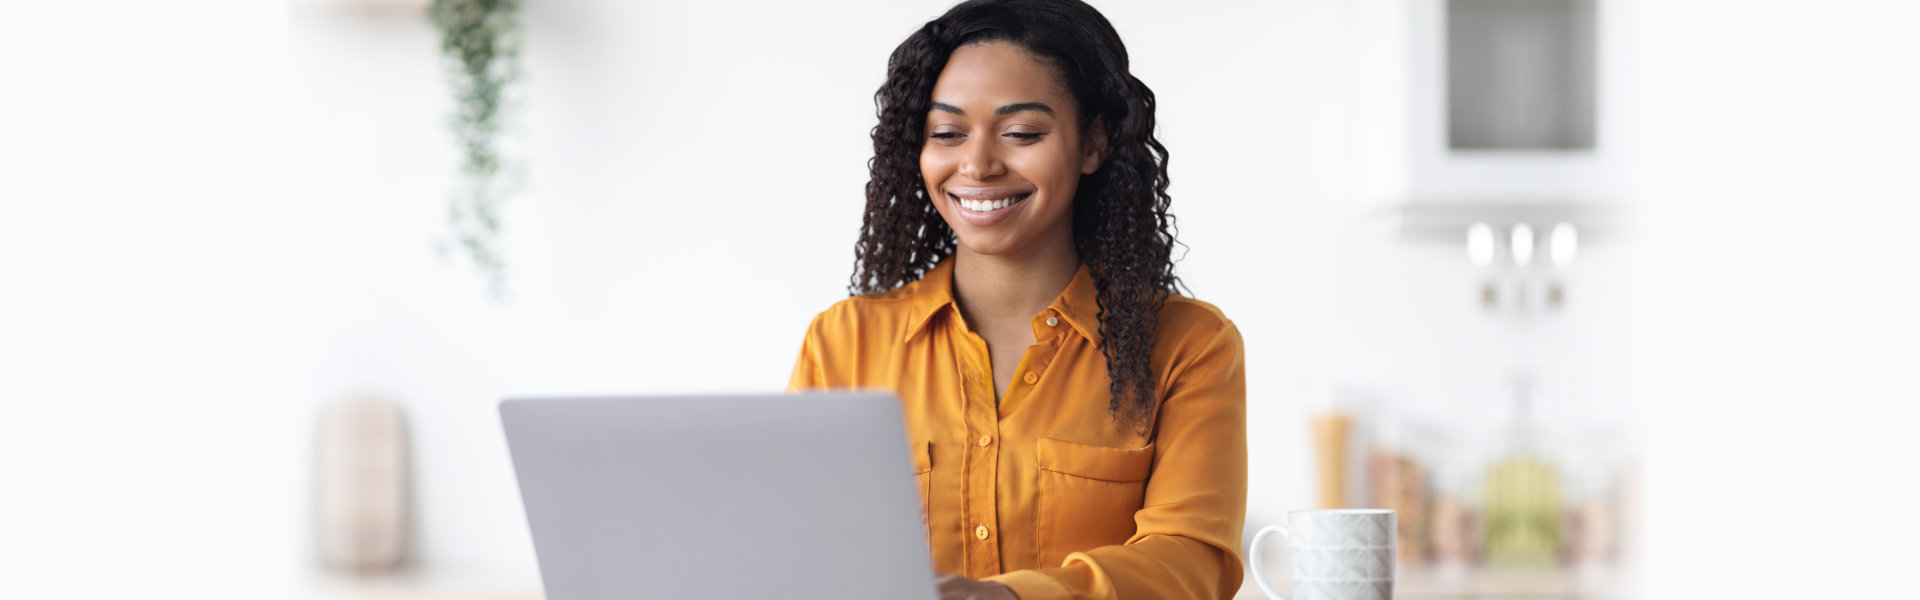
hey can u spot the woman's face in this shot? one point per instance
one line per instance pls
(1004, 152)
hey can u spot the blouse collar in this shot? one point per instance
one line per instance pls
(1077, 305)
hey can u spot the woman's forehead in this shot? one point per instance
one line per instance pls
(985, 76)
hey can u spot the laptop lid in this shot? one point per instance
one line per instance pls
(686, 497)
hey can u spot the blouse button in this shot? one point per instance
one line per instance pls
(1031, 377)
(985, 440)
(980, 532)
(1052, 321)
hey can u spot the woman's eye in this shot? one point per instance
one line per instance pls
(1023, 136)
(943, 135)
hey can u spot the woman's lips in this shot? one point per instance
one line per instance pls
(981, 208)
(988, 204)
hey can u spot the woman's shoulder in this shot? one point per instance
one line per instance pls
(1192, 324)
(870, 312)
(1186, 313)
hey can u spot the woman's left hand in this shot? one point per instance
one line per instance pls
(955, 587)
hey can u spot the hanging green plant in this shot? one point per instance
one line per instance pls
(480, 42)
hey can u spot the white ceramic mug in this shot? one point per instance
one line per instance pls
(1337, 554)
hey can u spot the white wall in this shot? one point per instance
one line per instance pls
(1778, 332)
(161, 303)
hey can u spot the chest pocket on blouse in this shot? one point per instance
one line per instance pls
(1088, 495)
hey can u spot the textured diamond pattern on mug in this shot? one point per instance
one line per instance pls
(1346, 531)
(1342, 564)
(1342, 590)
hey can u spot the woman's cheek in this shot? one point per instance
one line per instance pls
(933, 166)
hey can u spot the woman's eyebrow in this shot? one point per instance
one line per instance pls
(1014, 108)
(1004, 110)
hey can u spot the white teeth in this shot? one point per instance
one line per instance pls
(987, 205)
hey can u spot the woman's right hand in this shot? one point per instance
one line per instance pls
(956, 587)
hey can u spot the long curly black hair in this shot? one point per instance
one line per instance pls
(1121, 226)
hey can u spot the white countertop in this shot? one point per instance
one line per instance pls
(1414, 584)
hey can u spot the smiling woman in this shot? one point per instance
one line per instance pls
(1078, 428)
(1007, 174)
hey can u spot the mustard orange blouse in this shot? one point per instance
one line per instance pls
(1043, 493)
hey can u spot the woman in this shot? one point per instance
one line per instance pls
(1078, 429)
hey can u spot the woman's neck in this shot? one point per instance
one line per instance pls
(1012, 287)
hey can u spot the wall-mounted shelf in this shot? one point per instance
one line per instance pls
(1447, 222)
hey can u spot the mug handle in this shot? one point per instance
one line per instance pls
(1258, 577)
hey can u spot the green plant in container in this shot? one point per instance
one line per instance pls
(1522, 512)
(480, 42)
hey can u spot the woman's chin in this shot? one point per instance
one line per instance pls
(988, 244)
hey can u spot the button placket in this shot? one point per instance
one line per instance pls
(982, 420)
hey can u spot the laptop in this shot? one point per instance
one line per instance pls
(689, 497)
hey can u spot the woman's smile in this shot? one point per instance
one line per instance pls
(985, 206)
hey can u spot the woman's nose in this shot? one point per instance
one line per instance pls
(981, 161)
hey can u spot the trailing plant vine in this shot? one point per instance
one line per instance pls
(480, 45)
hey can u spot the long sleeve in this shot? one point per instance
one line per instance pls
(807, 368)
(1187, 541)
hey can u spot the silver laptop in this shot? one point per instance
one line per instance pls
(686, 497)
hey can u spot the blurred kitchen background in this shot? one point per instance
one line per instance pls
(1574, 285)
